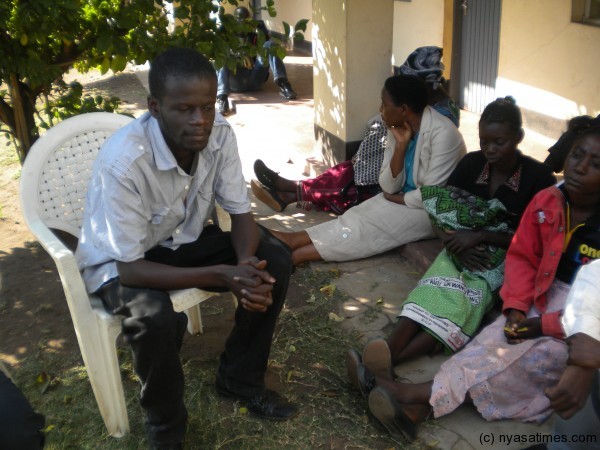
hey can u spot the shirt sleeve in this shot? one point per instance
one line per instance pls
(118, 221)
(551, 325)
(522, 261)
(582, 310)
(388, 183)
(230, 187)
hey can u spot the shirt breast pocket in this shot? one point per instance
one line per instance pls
(157, 217)
(162, 222)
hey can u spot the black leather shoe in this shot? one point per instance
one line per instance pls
(366, 380)
(268, 404)
(223, 105)
(285, 89)
(265, 175)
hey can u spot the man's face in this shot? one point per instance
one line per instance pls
(186, 113)
(241, 14)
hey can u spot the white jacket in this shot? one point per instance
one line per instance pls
(439, 148)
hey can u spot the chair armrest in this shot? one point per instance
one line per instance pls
(62, 256)
(70, 276)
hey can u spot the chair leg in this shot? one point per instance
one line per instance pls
(102, 364)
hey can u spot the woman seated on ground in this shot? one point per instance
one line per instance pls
(507, 367)
(423, 148)
(351, 182)
(476, 214)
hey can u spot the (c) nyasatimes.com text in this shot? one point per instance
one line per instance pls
(537, 438)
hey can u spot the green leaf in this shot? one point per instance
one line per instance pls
(298, 37)
(105, 65)
(301, 25)
(280, 52)
(118, 63)
(286, 29)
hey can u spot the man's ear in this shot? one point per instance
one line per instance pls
(521, 135)
(153, 106)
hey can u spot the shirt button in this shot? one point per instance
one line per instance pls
(539, 289)
(552, 253)
(177, 231)
(546, 274)
(560, 229)
(141, 147)
(186, 187)
(345, 235)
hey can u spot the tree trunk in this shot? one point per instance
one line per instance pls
(24, 116)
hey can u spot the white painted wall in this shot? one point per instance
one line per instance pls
(549, 64)
(416, 23)
(290, 11)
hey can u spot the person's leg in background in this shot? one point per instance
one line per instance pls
(280, 75)
(223, 90)
(20, 426)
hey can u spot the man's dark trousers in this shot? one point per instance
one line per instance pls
(155, 332)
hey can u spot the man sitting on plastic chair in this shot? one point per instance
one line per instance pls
(143, 233)
(252, 78)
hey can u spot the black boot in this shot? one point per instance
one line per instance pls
(285, 89)
(223, 104)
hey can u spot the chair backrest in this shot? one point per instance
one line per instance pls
(56, 172)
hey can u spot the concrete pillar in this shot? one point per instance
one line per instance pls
(352, 48)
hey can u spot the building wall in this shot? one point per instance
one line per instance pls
(417, 23)
(350, 62)
(290, 11)
(549, 64)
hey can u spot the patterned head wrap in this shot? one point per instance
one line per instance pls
(426, 63)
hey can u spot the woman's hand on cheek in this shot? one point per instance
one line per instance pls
(402, 132)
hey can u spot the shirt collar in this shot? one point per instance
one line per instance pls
(162, 154)
(513, 182)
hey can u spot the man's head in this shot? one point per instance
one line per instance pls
(183, 91)
(241, 13)
(178, 63)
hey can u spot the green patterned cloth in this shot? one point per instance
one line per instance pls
(450, 301)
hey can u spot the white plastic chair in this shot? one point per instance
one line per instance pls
(54, 181)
